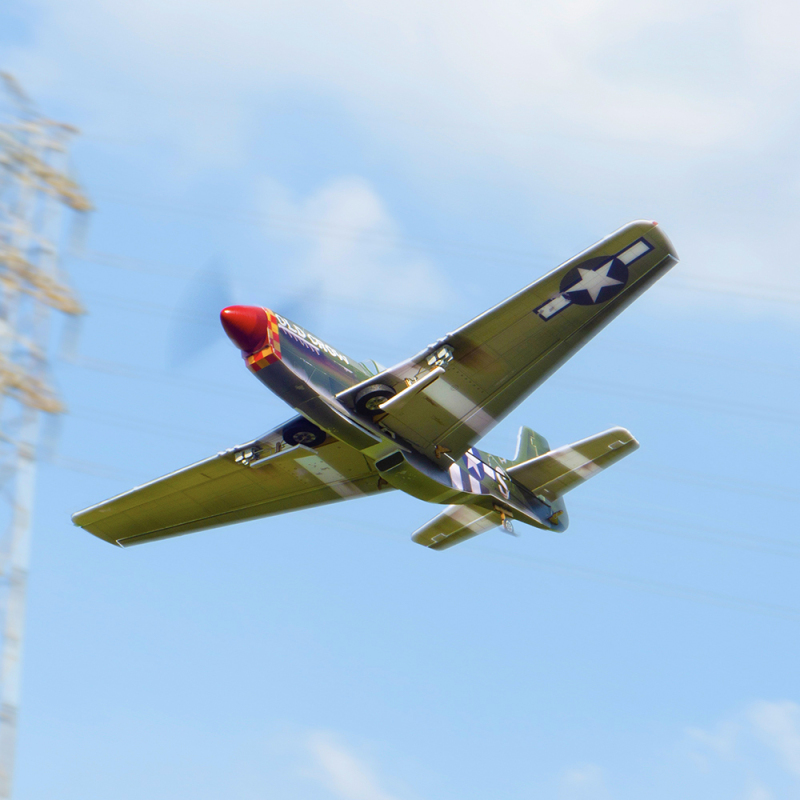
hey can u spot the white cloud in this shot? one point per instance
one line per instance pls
(607, 107)
(758, 793)
(597, 67)
(584, 781)
(778, 725)
(347, 242)
(342, 772)
(721, 740)
(758, 747)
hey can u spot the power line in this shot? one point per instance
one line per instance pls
(680, 529)
(725, 483)
(185, 273)
(472, 250)
(160, 429)
(600, 576)
(298, 225)
(162, 376)
(629, 521)
(96, 470)
(773, 414)
(650, 586)
(715, 360)
(668, 397)
(683, 399)
(690, 477)
(561, 568)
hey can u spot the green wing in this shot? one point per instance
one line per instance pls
(456, 390)
(245, 482)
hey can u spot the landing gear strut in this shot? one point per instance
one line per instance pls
(506, 520)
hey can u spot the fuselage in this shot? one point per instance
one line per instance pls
(308, 374)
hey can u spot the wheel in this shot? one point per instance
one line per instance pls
(301, 431)
(369, 398)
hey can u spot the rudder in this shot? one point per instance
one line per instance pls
(529, 445)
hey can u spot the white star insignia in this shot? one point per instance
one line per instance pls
(593, 281)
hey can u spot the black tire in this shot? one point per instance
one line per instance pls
(370, 397)
(301, 431)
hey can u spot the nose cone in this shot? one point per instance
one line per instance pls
(246, 326)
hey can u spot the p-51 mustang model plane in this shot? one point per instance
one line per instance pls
(362, 430)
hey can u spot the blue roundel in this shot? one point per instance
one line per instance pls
(596, 280)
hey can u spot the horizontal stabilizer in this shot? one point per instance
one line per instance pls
(556, 472)
(456, 524)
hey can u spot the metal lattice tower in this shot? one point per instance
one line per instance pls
(35, 188)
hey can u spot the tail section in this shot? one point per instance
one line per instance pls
(529, 445)
(553, 474)
(534, 493)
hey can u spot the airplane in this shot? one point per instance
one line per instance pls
(360, 429)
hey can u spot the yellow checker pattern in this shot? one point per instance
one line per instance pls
(272, 352)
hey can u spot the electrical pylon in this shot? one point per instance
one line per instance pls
(35, 188)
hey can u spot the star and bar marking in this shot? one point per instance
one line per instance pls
(596, 280)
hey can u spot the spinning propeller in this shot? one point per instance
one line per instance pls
(209, 296)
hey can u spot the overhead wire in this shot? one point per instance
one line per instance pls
(700, 596)
(769, 490)
(662, 396)
(650, 586)
(327, 229)
(706, 534)
(690, 531)
(726, 483)
(123, 370)
(160, 269)
(721, 483)
(472, 250)
(629, 582)
(682, 399)
(759, 544)
(627, 520)
(160, 429)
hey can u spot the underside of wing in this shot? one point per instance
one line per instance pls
(258, 479)
(456, 390)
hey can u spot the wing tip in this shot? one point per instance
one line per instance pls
(77, 517)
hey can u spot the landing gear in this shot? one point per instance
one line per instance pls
(301, 431)
(506, 520)
(369, 399)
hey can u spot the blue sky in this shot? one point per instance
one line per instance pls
(381, 174)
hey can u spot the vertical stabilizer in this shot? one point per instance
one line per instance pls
(530, 445)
